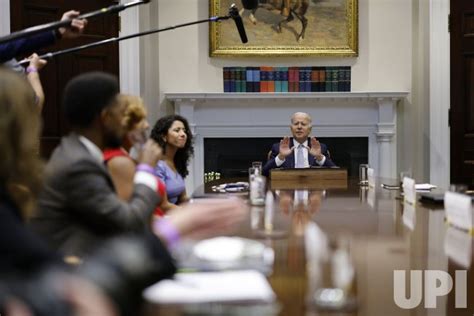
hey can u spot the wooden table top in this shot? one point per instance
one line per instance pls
(369, 232)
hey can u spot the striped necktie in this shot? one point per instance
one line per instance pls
(299, 157)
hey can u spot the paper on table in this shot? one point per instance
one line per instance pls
(409, 215)
(424, 186)
(409, 190)
(204, 287)
(459, 212)
(220, 249)
(458, 246)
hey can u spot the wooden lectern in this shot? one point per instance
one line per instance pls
(308, 178)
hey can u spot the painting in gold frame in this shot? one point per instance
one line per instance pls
(332, 29)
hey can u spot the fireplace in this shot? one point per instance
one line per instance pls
(368, 117)
(231, 157)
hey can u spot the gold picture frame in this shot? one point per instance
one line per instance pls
(332, 29)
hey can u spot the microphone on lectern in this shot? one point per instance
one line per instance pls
(234, 14)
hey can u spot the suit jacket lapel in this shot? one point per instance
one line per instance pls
(290, 160)
(310, 157)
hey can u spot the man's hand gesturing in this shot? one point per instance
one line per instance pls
(285, 149)
(315, 149)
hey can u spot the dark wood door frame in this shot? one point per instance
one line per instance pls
(461, 116)
(58, 72)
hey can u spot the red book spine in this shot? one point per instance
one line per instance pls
(263, 79)
(297, 79)
(291, 79)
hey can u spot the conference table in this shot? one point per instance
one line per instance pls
(363, 241)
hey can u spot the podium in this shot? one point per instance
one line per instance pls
(308, 178)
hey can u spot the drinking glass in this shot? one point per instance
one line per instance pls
(257, 187)
(458, 187)
(363, 179)
(257, 165)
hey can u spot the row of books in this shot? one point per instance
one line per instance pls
(287, 79)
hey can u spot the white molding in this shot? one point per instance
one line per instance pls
(386, 137)
(4, 17)
(308, 96)
(338, 114)
(439, 138)
(439, 93)
(237, 131)
(129, 52)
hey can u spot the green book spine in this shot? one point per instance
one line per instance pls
(335, 79)
(347, 79)
(278, 75)
(341, 80)
(327, 83)
(237, 79)
(243, 78)
(284, 79)
(233, 81)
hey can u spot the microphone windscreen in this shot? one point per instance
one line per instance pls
(250, 4)
(234, 14)
(240, 27)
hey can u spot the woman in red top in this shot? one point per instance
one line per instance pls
(118, 160)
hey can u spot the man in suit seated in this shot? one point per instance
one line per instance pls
(300, 151)
(78, 206)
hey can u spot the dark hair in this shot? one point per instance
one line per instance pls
(87, 95)
(182, 156)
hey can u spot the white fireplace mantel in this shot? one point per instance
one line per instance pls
(335, 114)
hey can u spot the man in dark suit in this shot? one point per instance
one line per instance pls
(79, 207)
(300, 151)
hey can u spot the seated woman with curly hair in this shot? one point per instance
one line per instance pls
(174, 136)
(118, 160)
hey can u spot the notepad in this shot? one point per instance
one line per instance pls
(204, 287)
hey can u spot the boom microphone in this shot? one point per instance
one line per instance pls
(56, 25)
(234, 14)
(51, 55)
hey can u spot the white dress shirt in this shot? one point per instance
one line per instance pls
(279, 162)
